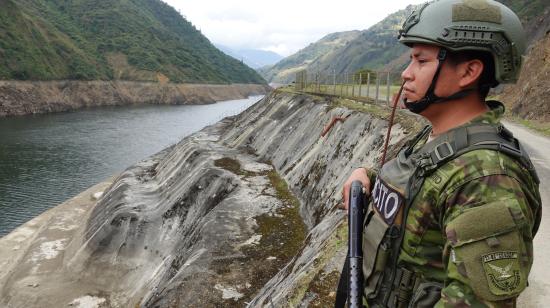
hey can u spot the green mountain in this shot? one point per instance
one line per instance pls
(376, 47)
(371, 48)
(142, 40)
(285, 70)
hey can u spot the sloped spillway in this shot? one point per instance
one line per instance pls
(208, 222)
(177, 229)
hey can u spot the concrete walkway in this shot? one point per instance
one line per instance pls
(538, 147)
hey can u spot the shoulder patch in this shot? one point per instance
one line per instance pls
(386, 201)
(502, 271)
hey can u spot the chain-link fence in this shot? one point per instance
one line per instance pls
(378, 86)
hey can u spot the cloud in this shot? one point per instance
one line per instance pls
(284, 26)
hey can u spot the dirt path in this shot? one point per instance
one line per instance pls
(538, 147)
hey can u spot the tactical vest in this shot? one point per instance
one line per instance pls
(398, 182)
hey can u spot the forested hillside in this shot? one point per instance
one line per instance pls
(141, 40)
(377, 47)
(285, 70)
(371, 48)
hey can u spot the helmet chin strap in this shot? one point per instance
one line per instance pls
(430, 97)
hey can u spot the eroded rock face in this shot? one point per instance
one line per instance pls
(210, 222)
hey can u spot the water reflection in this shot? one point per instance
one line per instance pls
(47, 159)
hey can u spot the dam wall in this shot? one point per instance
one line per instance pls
(241, 213)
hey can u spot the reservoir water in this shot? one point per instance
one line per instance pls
(46, 159)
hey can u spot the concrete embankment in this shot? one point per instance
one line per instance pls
(34, 97)
(240, 213)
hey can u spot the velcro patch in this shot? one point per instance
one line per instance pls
(477, 10)
(387, 201)
(503, 272)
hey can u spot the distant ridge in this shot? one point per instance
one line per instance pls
(284, 70)
(374, 48)
(254, 58)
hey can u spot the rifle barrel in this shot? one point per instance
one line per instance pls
(355, 225)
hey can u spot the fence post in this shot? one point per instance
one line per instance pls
(342, 87)
(347, 84)
(360, 84)
(334, 81)
(317, 80)
(388, 93)
(353, 85)
(368, 85)
(377, 86)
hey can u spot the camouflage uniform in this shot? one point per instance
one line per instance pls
(452, 220)
(471, 226)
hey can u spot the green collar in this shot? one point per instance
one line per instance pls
(493, 116)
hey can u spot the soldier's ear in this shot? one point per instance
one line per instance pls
(469, 73)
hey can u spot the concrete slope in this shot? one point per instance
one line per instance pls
(206, 223)
(175, 228)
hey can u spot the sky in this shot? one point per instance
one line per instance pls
(282, 26)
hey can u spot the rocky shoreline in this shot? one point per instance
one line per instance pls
(36, 97)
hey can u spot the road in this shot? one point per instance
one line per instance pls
(538, 147)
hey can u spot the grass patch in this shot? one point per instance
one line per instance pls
(229, 164)
(286, 227)
(292, 90)
(310, 283)
(282, 233)
(325, 286)
(383, 112)
(362, 104)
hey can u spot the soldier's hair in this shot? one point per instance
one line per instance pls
(487, 79)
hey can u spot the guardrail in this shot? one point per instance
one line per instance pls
(378, 86)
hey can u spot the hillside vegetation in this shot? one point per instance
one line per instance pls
(143, 40)
(371, 48)
(378, 48)
(285, 70)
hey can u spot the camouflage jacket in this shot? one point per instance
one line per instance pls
(471, 227)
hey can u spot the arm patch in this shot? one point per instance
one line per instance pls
(488, 243)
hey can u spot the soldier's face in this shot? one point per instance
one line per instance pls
(421, 70)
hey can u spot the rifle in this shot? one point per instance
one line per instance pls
(355, 241)
(350, 286)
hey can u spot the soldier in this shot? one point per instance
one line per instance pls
(453, 216)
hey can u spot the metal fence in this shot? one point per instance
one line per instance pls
(378, 86)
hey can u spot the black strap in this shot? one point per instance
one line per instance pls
(342, 291)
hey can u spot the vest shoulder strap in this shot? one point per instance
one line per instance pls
(469, 138)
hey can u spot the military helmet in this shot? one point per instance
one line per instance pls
(484, 25)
